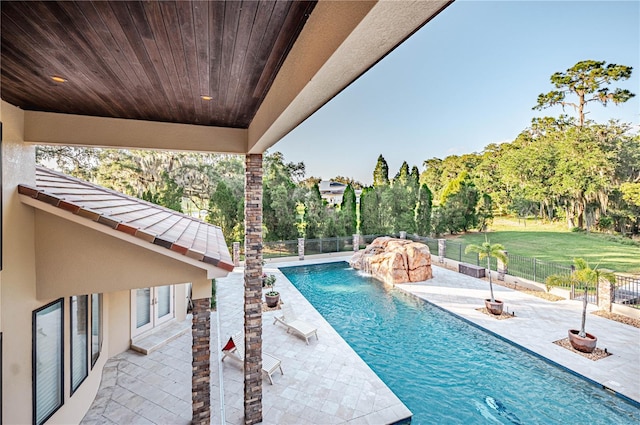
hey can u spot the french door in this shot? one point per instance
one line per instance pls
(150, 307)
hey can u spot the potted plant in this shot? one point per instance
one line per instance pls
(272, 297)
(582, 276)
(486, 250)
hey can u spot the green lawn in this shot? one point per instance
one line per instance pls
(551, 242)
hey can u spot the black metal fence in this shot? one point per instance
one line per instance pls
(626, 291)
(325, 245)
(279, 249)
(534, 269)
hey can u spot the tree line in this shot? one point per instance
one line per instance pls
(562, 168)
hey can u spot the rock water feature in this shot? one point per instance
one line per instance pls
(394, 261)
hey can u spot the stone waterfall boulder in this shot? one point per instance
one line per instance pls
(394, 260)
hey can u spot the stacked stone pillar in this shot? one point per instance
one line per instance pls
(502, 267)
(442, 250)
(301, 249)
(253, 289)
(356, 242)
(200, 369)
(236, 254)
(605, 295)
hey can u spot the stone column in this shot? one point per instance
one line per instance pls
(403, 234)
(605, 295)
(442, 249)
(301, 248)
(200, 369)
(236, 254)
(502, 268)
(253, 289)
(356, 242)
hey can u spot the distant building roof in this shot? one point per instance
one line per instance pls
(328, 186)
(157, 225)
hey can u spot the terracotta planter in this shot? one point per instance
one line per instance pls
(494, 307)
(586, 345)
(272, 300)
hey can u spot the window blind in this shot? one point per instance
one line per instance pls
(48, 335)
(164, 300)
(79, 347)
(96, 327)
(143, 307)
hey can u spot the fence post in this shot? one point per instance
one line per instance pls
(301, 248)
(236, 254)
(442, 250)
(320, 245)
(460, 252)
(502, 267)
(535, 269)
(356, 242)
(337, 244)
(403, 234)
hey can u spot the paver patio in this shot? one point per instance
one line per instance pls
(326, 381)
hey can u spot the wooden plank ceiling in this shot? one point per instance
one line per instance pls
(150, 60)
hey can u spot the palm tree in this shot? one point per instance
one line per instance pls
(486, 250)
(583, 275)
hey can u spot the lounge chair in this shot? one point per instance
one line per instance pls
(235, 349)
(291, 321)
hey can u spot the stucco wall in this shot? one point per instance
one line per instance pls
(18, 288)
(73, 259)
(18, 285)
(19, 274)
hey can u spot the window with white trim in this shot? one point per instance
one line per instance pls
(79, 340)
(48, 360)
(96, 327)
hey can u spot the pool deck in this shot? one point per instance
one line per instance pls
(326, 381)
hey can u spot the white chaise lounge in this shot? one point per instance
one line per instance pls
(235, 349)
(291, 321)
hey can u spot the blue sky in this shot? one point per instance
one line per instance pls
(468, 78)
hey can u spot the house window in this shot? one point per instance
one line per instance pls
(47, 360)
(96, 327)
(79, 340)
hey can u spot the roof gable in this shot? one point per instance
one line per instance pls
(152, 223)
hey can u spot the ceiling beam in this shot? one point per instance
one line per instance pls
(80, 130)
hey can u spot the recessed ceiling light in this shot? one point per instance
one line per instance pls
(203, 97)
(58, 79)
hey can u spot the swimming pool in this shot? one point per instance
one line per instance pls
(443, 369)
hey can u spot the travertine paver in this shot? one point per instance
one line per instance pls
(325, 381)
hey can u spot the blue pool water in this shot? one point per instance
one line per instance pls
(445, 370)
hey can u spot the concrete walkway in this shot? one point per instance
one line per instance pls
(326, 381)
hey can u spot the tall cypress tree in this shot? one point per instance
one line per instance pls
(423, 211)
(348, 211)
(403, 174)
(381, 173)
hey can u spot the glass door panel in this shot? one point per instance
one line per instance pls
(164, 303)
(151, 307)
(143, 310)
